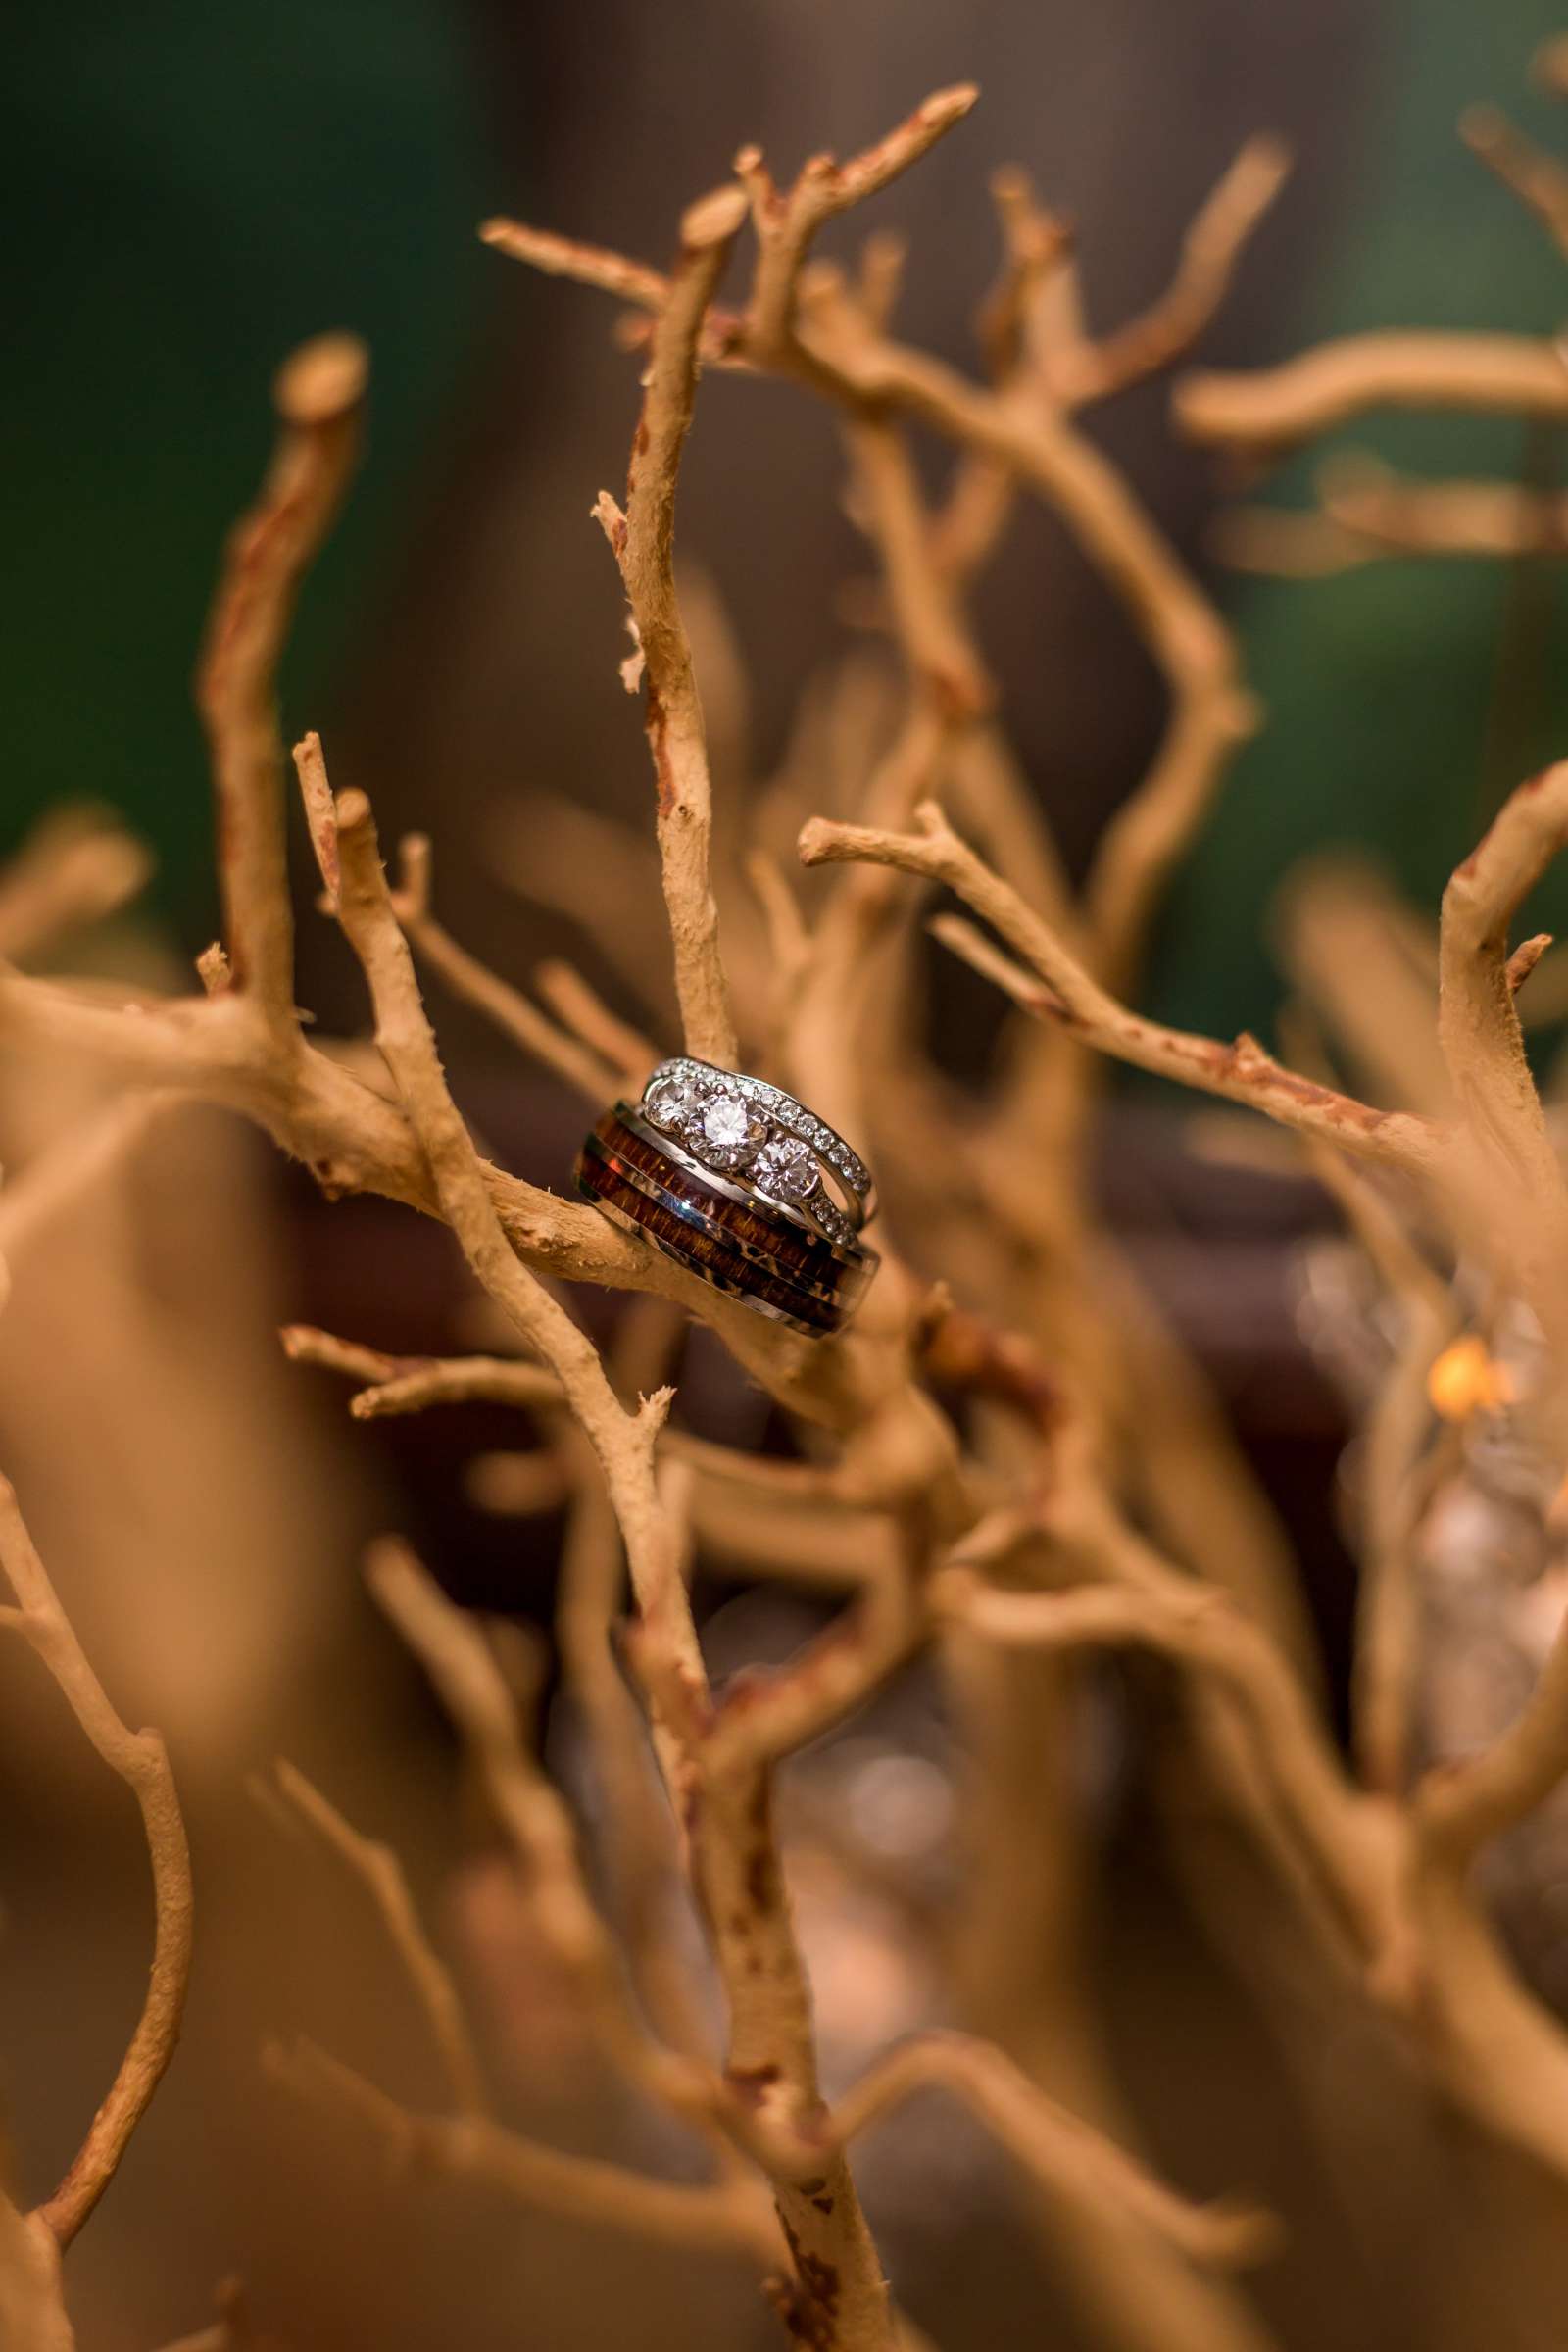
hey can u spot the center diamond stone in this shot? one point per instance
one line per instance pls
(729, 1131)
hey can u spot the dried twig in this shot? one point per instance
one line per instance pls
(378, 1870)
(1274, 409)
(76, 866)
(141, 1761)
(1478, 1025)
(319, 395)
(408, 1384)
(1367, 513)
(787, 223)
(627, 1054)
(505, 1006)
(1387, 1647)
(1210, 250)
(1537, 179)
(643, 542)
(477, 2152)
(1057, 988)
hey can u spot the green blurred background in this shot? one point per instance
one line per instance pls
(191, 191)
(1405, 698)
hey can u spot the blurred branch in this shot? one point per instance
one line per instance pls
(141, 1761)
(408, 1384)
(76, 866)
(1367, 514)
(381, 1873)
(1210, 250)
(1057, 988)
(505, 1006)
(1537, 179)
(1274, 409)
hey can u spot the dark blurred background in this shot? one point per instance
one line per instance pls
(191, 191)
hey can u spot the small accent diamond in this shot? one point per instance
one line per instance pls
(674, 1100)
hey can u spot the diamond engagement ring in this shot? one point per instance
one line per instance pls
(743, 1126)
(742, 1184)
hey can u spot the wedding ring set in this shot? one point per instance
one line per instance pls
(742, 1184)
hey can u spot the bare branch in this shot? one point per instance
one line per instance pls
(764, 1715)
(1537, 179)
(1273, 408)
(1033, 311)
(622, 1442)
(1210, 250)
(1200, 1628)
(141, 1761)
(1141, 845)
(1477, 1026)
(1386, 1662)
(319, 396)
(1460, 1809)
(943, 662)
(643, 542)
(598, 872)
(1367, 513)
(501, 1004)
(73, 1165)
(408, 1384)
(378, 1870)
(76, 866)
(1068, 2159)
(1242, 1072)
(477, 2152)
(626, 1053)
(636, 1828)
(786, 223)
(569, 257)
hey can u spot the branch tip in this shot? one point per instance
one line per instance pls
(322, 380)
(815, 842)
(1524, 957)
(951, 105)
(713, 219)
(353, 809)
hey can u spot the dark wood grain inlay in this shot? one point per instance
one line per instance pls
(781, 1241)
(704, 1252)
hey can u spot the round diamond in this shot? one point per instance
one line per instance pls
(674, 1101)
(729, 1130)
(787, 1169)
